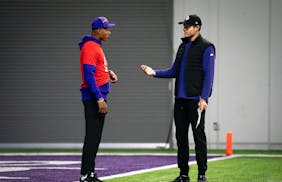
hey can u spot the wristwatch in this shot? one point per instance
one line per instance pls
(100, 99)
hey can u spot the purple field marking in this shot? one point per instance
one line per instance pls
(59, 168)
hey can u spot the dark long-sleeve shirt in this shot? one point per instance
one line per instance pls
(208, 69)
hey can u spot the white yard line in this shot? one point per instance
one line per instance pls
(39, 154)
(101, 154)
(258, 155)
(193, 162)
(79, 154)
(158, 168)
(139, 171)
(18, 178)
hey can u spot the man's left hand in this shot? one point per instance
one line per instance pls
(202, 104)
(113, 76)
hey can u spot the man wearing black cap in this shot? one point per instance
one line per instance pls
(193, 69)
(95, 86)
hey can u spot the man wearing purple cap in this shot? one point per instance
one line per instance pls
(193, 70)
(95, 86)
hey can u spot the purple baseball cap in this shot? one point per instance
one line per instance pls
(101, 22)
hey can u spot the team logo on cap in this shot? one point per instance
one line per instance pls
(187, 18)
(105, 20)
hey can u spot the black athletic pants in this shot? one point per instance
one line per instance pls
(185, 113)
(93, 132)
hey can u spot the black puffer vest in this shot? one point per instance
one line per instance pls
(193, 67)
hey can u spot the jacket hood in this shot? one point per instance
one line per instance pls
(88, 38)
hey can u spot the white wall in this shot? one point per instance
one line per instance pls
(275, 57)
(247, 86)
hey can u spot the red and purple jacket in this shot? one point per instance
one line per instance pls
(94, 69)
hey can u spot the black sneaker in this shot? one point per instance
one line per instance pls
(182, 178)
(202, 178)
(92, 177)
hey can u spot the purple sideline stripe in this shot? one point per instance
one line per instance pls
(34, 168)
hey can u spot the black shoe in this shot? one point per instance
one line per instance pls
(202, 178)
(92, 177)
(182, 178)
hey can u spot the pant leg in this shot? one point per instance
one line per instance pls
(93, 132)
(199, 138)
(181, 125)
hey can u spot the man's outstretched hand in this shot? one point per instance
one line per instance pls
(147, 70)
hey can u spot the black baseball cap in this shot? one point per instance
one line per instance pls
(191, 20)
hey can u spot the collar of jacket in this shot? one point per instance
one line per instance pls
(185, 40)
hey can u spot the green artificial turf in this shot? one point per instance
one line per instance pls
(240, 169)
